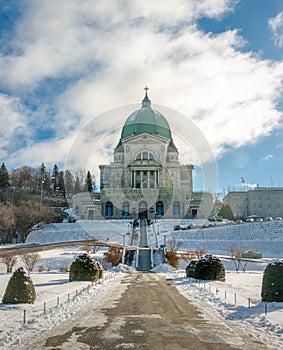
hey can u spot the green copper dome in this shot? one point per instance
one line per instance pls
(146, 120)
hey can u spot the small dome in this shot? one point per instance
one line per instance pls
(146, 120)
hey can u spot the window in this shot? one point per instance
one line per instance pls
(91, 215)
(126, 209)
(145, 156)
(176, 209)
(142, 210)
(108, 209)
(160, 208)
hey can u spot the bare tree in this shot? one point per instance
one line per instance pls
(7, 221)
(200, 252)
(174, 244)
(236, 257)
(29, 213)
(193, 254)
(21, 178)
(9, 260)
(30, 259)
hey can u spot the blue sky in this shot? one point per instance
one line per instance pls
(218, 62)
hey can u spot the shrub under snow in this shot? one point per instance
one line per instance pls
(190, 269)
(272, 283)
(20, 288)
(209, 267)
(84, 268)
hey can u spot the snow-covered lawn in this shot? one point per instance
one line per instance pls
(236, 301)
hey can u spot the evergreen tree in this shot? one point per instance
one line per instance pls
(44, 178)
(20, 288)
(89, 185)
(77, 187)
(84, 268)
(209, 267)
(272, 283)
(55, 174)
(61, 184)
(69, 182)
(4, 177)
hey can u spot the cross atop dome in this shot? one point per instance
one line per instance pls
(146, 101)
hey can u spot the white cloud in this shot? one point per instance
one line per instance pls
(267, 157)
(276, 25)
(13, 125)
(111, 50)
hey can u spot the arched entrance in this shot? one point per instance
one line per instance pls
(142, 210)
(160, 208)
(108, 209)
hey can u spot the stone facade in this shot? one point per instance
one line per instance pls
(262, 202)
(145, 178)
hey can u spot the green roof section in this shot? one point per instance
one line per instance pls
(146, 120)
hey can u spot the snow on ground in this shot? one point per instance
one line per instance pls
(237, 300)
(264, 236)
(228, 301)
(57, 298)
(209, 297)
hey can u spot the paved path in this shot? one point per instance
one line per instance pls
(144, 312)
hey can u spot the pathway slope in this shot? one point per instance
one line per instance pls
(144, 312)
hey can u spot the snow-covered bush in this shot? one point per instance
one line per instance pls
(209, 267)
(84, 268)
(272, 283)
(20, 288)
(190, 269)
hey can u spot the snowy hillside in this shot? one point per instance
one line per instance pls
(264, 236)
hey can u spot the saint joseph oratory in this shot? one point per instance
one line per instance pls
(145, 178)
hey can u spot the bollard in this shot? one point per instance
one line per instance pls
(68, 297)
(225, 294)
(58, 301)
(76, 292)
(44, 307)
(265, 308)
(235, 297)
(249, 303)
(25, 316)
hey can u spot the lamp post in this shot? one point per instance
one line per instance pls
(41, 192)
(134, 210)
(155, 216)
(151, 210)
(124, 252)
(164, 241)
